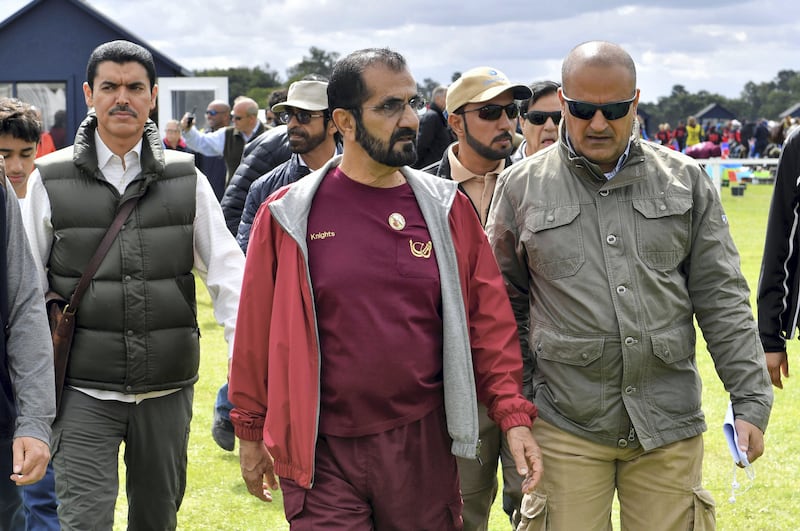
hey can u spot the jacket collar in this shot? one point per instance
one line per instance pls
(635, 156)
(85, 151)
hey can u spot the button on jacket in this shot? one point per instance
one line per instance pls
(605, 277)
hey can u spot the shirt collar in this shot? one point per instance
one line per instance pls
(622, 158)
(255, 132)
(104, 154)
(461, 174)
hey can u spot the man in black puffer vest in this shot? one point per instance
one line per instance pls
(135, 353)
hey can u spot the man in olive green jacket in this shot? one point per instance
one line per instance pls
(609, 247)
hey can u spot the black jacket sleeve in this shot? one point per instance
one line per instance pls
(283, 174)
(254, 199)
(778, 282)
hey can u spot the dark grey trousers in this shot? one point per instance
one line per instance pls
(86, 439)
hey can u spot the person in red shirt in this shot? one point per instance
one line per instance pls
(172, 137)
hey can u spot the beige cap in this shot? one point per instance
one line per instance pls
(479, 85)
(306, 95)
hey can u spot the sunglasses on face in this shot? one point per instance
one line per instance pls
(583, 110)
(493, 111)
(540, 117)
(303, 117)
(212, 112)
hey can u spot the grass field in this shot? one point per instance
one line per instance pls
(216, 498)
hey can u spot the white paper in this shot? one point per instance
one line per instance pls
(729, 429)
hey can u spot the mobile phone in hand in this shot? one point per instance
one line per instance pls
(190, 117)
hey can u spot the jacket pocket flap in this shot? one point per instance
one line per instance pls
(555, 346)
(662, 207)
(675, 344)
(549, 218)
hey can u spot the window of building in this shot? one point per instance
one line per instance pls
(50, 99)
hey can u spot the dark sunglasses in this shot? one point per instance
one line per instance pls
(493, 111)
(583, 110)
(303, 117)
(212, 112)
(540, 117)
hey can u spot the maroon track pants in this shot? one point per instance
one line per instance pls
(402, 479)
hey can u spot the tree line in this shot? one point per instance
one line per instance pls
(757, 100)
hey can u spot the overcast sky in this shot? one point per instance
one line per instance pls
(713, 45)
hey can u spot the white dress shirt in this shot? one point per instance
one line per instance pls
(210, 144)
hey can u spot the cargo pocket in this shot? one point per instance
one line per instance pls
(570, 373)
(55, 441)
(533, 512)
(704, 510)
(554, 241)
(674, 367)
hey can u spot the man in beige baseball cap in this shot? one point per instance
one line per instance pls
(479, 85)
(482, 112)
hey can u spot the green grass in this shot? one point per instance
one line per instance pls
(216, 498)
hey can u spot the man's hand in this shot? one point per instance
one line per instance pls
(751, 439)
(187, 121)
(527, 456)
(30, 460)
(777, 363)
(257, 470)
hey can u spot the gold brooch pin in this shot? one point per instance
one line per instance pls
(397, 221)
(419, 249)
